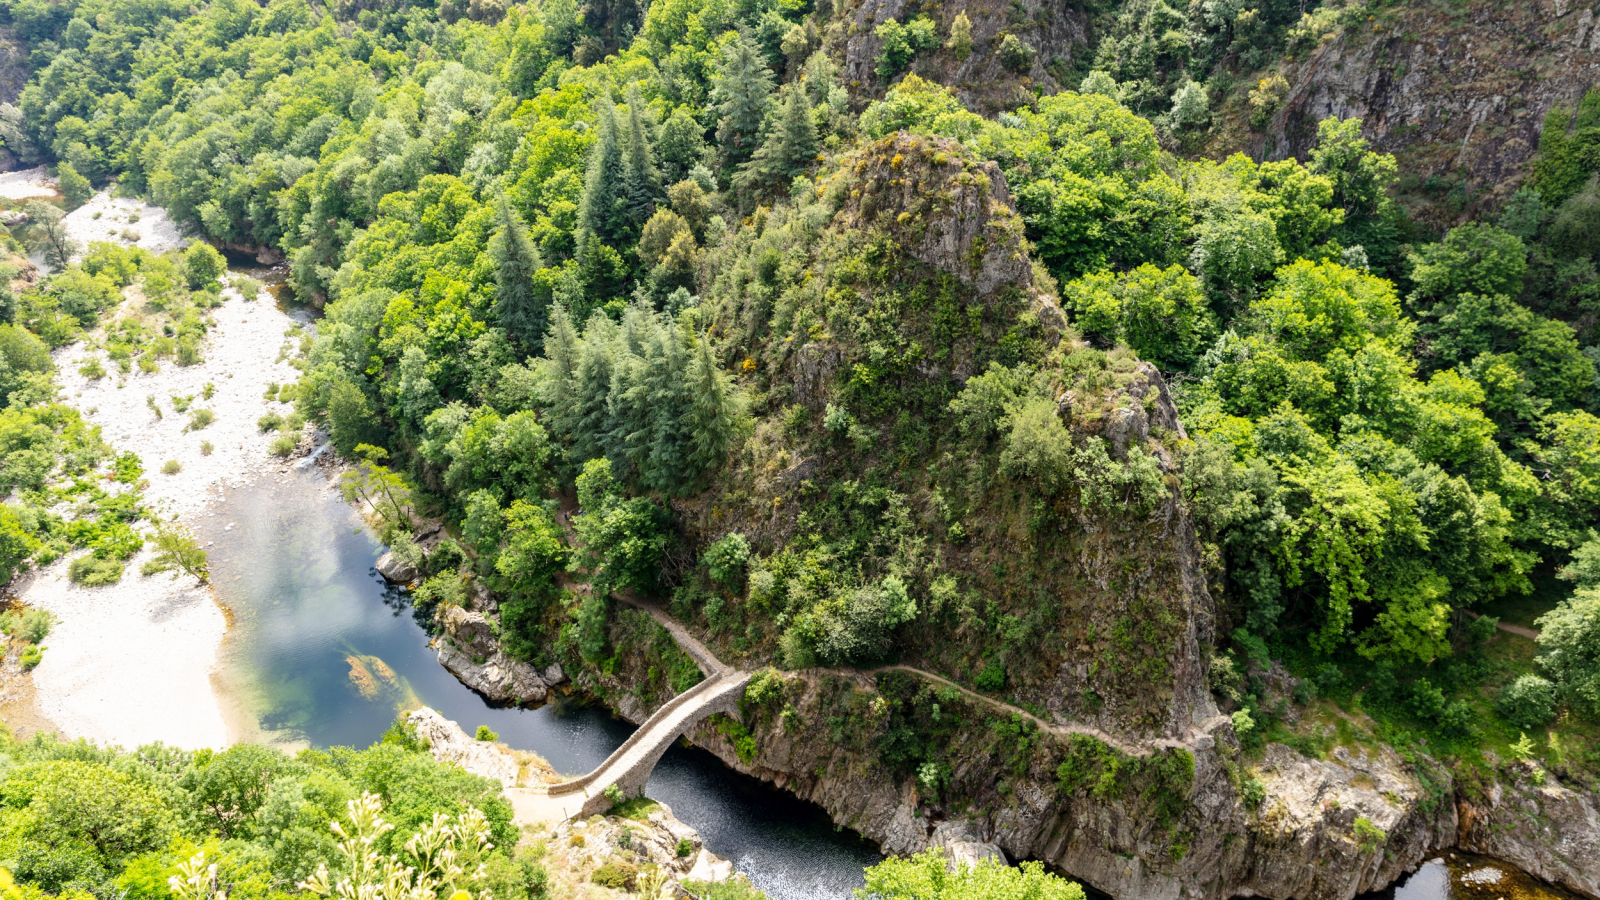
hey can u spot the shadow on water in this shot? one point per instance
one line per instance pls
(323, 652)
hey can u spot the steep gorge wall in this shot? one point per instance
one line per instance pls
(1456, 90)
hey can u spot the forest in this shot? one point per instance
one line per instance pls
(572, 259)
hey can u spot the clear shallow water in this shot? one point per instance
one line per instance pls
(1459, 876)
(323, 652)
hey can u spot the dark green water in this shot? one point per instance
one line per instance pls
(296, 570)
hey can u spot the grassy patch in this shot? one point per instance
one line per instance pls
(638, 809)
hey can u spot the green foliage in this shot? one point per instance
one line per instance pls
(75, 188)
(28, 625)
(1569, 645)
(624, 538)
(177, 550)
(203, 267)
(1161, 314)
(92, 571)
(615, 875)
(736, 888)
(898, 44)
(1528, 702)
(1161, 781)
(929, 876)
(725, 560)
(485, 734)
(1368, 835)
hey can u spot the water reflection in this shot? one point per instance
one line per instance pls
(1460, 876)
(322, 652)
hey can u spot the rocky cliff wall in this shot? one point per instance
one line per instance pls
(1457, 92)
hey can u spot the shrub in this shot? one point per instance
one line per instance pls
(614, 794)
(685, 847)
(284, 446)
(615, 875)
(902, 42)
(485, 734)
(171, 467)
(206, 448)
(188, 351)
(1015, 55)
(992, 678)
(92, 572)
(725, 560)
(203, 266)
(200, 418)
(1368, 835)
(92, 369)
(30, 625)
(1528, 702)
(31, 657)
(269, 422)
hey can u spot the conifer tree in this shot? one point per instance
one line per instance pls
(600, 213)
(713, 415)
(591, 412)
(518, 307)
(641, 182)
(670, 404)
(788, 150)
(960, 42)
(742, 91)
(562, 349)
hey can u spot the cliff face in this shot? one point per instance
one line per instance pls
(1075, 591)
(1282, 826)
(1052, 34)
(1454, 91)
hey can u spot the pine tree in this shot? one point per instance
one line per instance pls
(641, 182)
(712, 417)
(559, 394)
(742, 91)
(591, 413)
(518, 307)
(671, 402)
(600, 213)
(788, 150)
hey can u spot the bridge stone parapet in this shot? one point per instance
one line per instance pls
(629, 766)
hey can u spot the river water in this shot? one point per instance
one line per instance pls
(322, 652)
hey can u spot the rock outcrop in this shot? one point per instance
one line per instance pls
(470, 650)
(1455, 96)
(394, 569)
(449, 743)
(1547, 829)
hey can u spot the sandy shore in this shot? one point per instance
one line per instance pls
(135, 662)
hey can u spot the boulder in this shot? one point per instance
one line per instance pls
(396, 570)
(961, 842)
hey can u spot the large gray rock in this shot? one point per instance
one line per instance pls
(396, 570)
(471, 652)
(1548, 830)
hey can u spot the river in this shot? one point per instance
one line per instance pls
(323, 652)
